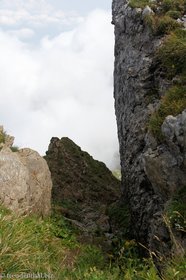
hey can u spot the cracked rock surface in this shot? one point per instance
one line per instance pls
(151, 173)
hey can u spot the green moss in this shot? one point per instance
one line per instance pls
(173, 103)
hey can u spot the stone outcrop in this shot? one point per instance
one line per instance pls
(82, 187)
(25, 182)
(165, 166)
(151, 172)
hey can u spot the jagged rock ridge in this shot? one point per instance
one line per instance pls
(82, 187)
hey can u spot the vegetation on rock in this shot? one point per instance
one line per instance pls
(173, 103)
(161, 25)
(164, 6)
(171, 57)
(172, 54)
(82, 187)
(49, 246)
(138, 3)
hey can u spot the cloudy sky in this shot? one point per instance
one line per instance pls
(56, 74)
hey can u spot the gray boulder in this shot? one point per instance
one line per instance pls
(25, 182)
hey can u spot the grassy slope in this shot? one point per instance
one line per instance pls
(32, 245)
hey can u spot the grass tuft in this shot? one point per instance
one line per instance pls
(173, 103)
(172, 54)
(33, 245)
(138, 4)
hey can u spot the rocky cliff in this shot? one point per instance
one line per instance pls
(153, 169)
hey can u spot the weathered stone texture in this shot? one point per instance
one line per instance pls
(25, 182)
(165, 166)
(150, 173)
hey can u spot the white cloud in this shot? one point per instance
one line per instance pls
(34, 13)
(31, 5)
(61, 88)
(23, 33)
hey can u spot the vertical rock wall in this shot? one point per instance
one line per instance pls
(142, 160)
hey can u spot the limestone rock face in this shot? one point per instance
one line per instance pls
(25, 182)
(151, 173)
(165, 166)
(82, 187)
(134, 52)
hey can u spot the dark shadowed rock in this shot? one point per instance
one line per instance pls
(82, 187)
